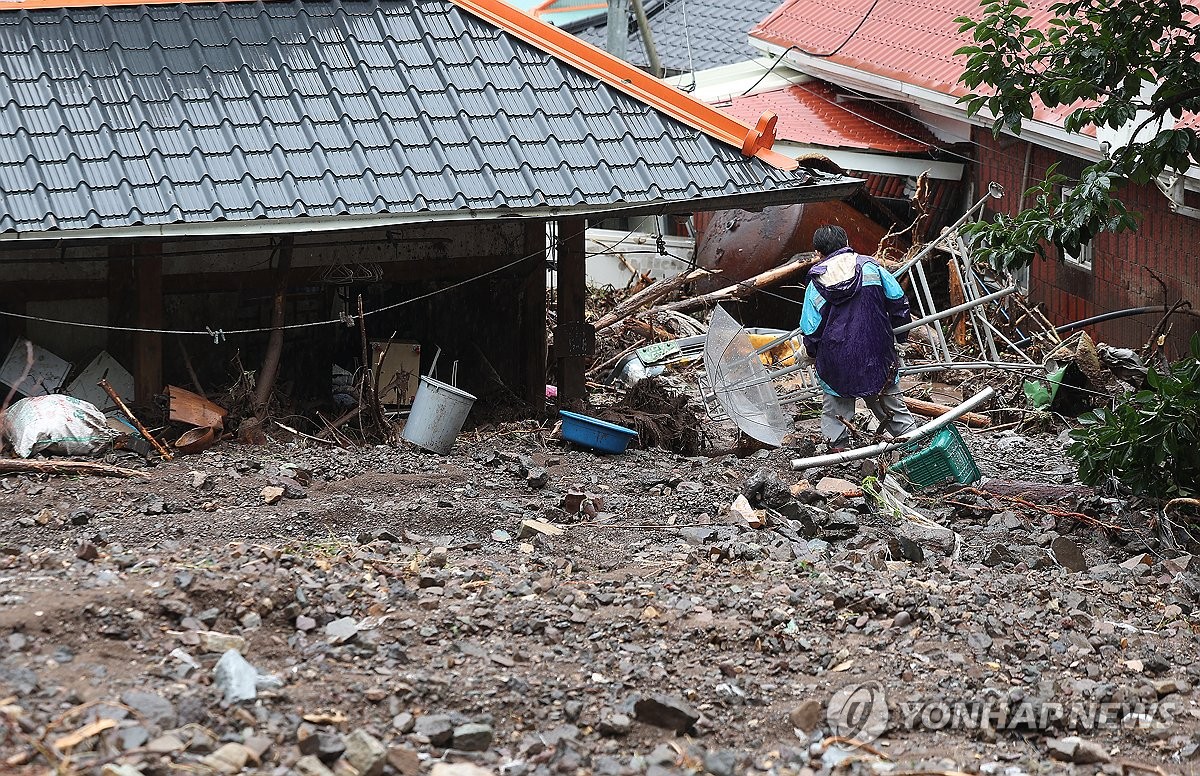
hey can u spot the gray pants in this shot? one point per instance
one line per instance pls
(887, 406)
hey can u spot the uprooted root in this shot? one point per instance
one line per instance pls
(662, 416)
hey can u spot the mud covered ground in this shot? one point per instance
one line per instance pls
(402, 619)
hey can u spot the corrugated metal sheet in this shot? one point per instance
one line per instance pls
(692, 35)
(818, 113)
(191, 113)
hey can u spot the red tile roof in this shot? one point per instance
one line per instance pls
(818, 113)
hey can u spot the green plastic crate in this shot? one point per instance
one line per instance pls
(939, 459)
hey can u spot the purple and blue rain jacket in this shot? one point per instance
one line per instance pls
(848, 326)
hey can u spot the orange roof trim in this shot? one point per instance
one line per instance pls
(753, 141)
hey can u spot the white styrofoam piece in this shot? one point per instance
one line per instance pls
(102, 366)
(45, 376)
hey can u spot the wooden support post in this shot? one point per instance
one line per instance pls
(270, 366)
(532, 330)
(148, 346)
(122, 302)
(572, 296)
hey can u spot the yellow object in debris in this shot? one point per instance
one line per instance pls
(783, 354)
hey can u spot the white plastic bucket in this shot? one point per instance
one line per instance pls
(438, 413)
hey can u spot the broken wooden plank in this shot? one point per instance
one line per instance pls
(930, 409)
(32, 466)
(158, 446)
(187, 407)
(647, 296)
(742, 289)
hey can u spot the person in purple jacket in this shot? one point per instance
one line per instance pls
(851, 306)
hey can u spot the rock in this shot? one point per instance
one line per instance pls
(765, 489)
(330, 747)
(615, 724)
(304, 623)
(215, 641)
(404, 760)
(306, 738)
(721, 763)
(403, 722)
(436, 727)
(744, 513)
(81, 516)
(1068, 554)
(153, 709)
(1074, 749)
(666, 711)
(230, 758)
(87, 551)
(538, 527)
(202, 481)
(235, 677)
(365, 753)
(166, 744)
(309, 765)
(807, 716)
(438, 557)
(835, 486)
(291, 488)
(272, 494)
(537, 478)
(473, 737)
(113, 769)
(459, 769)
(1000, 555)
(341, 630)
(903, 548)
(1138, 562)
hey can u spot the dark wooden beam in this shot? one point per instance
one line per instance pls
(148, 346)
(533, 318)
(572, 297)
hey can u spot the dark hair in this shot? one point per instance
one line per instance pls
(829, 238)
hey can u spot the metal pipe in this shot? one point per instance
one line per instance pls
(995, 191)
(933, 311)
(883, 447)
(968, 365)
(1098, 319)
(955, 310)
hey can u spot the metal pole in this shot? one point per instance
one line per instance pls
(647, 39)
(883, 447)
(617, 42)
(955, 310)
(995, 191)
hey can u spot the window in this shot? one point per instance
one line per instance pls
(1082, 259)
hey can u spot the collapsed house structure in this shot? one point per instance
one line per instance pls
(900, 53)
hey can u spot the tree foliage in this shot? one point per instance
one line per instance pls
(1120, 64)
(1150, 441)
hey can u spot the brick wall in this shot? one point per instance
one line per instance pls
(1121, 276)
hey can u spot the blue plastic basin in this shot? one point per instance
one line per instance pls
(595, 433)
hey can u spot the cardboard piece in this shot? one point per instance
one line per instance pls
(45, 376)
(103, 366)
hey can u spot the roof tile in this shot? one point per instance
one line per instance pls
(114, 116)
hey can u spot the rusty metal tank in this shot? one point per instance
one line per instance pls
(743, 244)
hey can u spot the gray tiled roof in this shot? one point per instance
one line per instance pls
(163, 114)
(691, 35)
